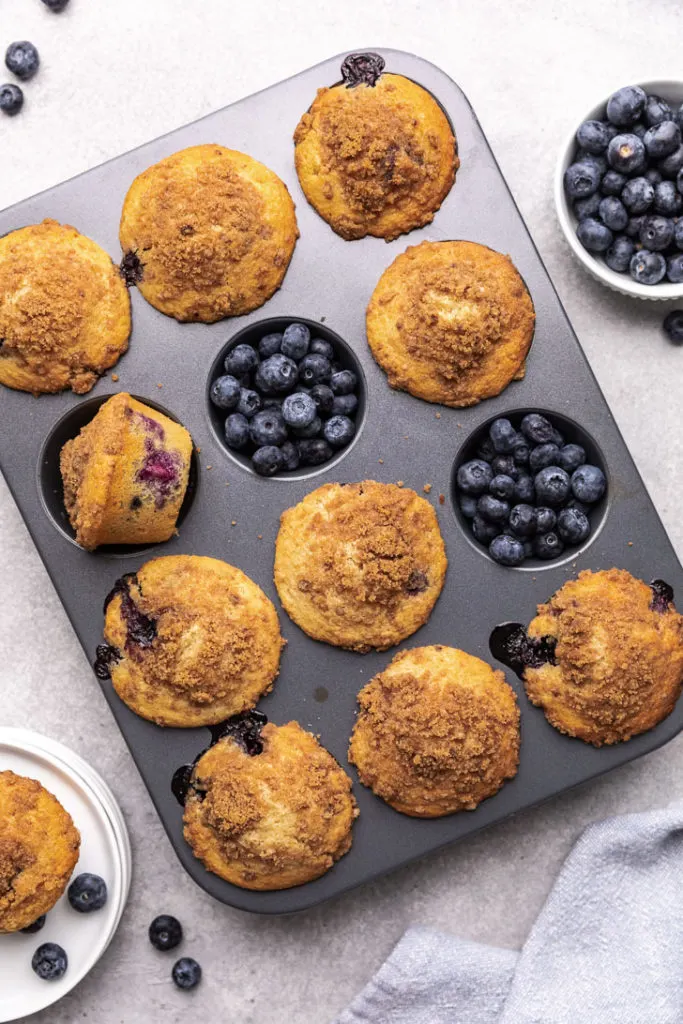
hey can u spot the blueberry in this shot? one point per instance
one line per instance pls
(573, 526)
(290, 455)
(647, 267)
(486, 451)
(474, 477)
(225, 392)
(267, 460)
(37, 925)
(236, 431)
(552, 485)
(338, 431)
(298, 410)
(521, 454)
(638, 195)
(312, 429)
(588, 484)
(587, 207)
(295, 341)
(522, 520)
(673, 325)
(678, 233)
(545, 519)
(268, 428)
(503, 435)
(87, 892)
(314, 451)
(581, 179)
(571, 457)
(343, 405)
(165, 932)
(484, 531)
(543, 455)
(502, 487)
(269, 345)
(662, 139)
(11, 99)
(468, 505)
(579, 505)
(343, 382)
(22, 59)
(656, 233)
(632, 229)
(671, 164)
(618, 256)
(56, 6)
(599, 161)
(322, 348)
(547, 545)
(626, 153)
(524, 489)
(537, 428)
(612, 183)
(557, 438)
(277, 373)
(242, 359)
(272, 403)
(656, 110)
(653, 175)
(315, 369)
(593, 136)
(493, 510)
(186, 972)
(668, 199)
(674, 268)
(613, 213)
(506, 550)
(504, 465)
(324, 399)
(626, 105)
(49, 961)
(249, 402)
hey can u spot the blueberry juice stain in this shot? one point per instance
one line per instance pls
(662, 596)
(362, 69)
(511, 644)
(141, 630)
(244, 729)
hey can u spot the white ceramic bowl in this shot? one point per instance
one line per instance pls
(672, 92)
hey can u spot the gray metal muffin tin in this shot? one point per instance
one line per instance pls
(402, 438)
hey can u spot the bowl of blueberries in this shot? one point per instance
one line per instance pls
(619, 190)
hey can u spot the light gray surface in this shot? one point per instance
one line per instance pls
(118, 74)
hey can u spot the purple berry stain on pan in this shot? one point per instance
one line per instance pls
(244, 728)
(132, 269)
(140, 629)
(663, 595)
(362, 69)
(511, 644)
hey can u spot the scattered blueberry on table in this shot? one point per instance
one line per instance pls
(673, 325)
(289, 402)
(527, 493)
(56, 6)
(87, 893)
(186, 973)
(21, 58)
(50, 961)
(165, 932)
(11, 99)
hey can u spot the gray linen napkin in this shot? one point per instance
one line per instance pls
(607, 947)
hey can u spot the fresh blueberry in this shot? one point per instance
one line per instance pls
(543, 455)
(295, 341)
(581, 179)
(324, 399)
(338, 431)
(502, 487)
(267, 460)
(165, 932)
(656, 233)
(313, 451)
(524, 489)
(632, 229)
(493, 510)
(552, 486)
(49, 961)
(186, 973)
(298, 409)
(580, 506)
(521, 454)
(312, 429)
(673, 325)
(343, 382)
(22, 59)
(485, 450)
(656, 110)
(626, 105)
(626, 153)
(678, 233)
(11, 99)
(504, 465)
(668, 199)
(618, 256)
(573, 526)
(613, 213)
(503, 435)
(268, 428)
(56, 6)
(638, 195)
(249, 402)
(557, 438)
(240, 360)
(653, 175)
(322, 348)
(593, 136)
(662, 139)
(272, 403)
(474, 477)
(612, 183)
(647, 267)
(343, 405)
(588, 483)
(547, 545)
(671, 164)
(269, 345)
(87, 892)
(522, 520)
(571, 457)
(277, 373)
(468, 505)
(599, 161)
(588, 207)
(37, 925)
(506, 550)
(290, 455)
(484, 531)
(545, 519)
(537, 428)
(315, 369)
(236, 431)
(674, 268)
(225, 392)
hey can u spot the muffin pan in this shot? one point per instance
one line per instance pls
(234, 514)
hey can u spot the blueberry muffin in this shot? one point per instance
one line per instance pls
(207, 233)
(64, 310)
(437, 732)
(39, 846)
(125, 475)
(360, 565)
(605, 656)
(272, 816)
(451, 322)
(375, 157)
(190, 641)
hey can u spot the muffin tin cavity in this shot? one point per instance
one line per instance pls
(572, 434)
(49, 478)
(344, 356)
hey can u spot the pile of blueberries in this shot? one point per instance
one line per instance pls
(289, 402)
(626, 183)
(527, 493)
(21, 58)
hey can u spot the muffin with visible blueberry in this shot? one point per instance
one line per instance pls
(360, 566)
(451, 322)
(39, 846)
(125, 475)
(605, 656)
(190, 641)
(437, 732)
(207, 233)
(64, 310)
(271, 814)
(375, 154)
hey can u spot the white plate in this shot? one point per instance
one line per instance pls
(105, 851)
